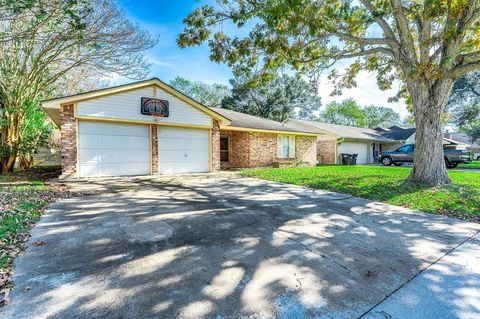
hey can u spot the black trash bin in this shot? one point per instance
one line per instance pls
(353, 159)
(349, 159)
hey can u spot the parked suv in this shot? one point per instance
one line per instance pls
(404, 154)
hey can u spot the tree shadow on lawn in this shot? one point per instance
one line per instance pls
(227, 248)
(458, 200)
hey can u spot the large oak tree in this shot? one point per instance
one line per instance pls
(284, 97)
(426, 44)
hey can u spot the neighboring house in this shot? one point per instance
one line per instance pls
(148, 127)
(337, 139)
(464, 138)
(403, 136)
(400, 135)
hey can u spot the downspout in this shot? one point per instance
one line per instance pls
(340, 140)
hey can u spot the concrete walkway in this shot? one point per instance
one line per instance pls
(222, 246)
(449, 288)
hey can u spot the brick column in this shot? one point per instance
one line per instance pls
(154, 132)
(69, 140)
(215, 146)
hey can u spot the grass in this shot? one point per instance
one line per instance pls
(23, 198)
(387, 184)
(472, 165)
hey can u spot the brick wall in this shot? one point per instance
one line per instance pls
(263, 149)
(215, 146)
(154, 132)
(68, 140)
(252, 149)
(326, 149)
(306, 150)
(239, 149)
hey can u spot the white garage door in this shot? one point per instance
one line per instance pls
(183, 150)
(355, 148)
(111, 149)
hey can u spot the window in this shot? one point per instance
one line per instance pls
(406, 149)
(224, 149)
(286, 146)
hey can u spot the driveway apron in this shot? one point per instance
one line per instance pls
(224, 246)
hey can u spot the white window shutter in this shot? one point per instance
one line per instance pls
(291, 145)
(279, 146)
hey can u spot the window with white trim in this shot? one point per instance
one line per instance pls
(285, 146)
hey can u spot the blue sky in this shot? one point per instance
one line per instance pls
(163, 18)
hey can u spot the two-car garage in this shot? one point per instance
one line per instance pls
(143, 128)
(115, 149)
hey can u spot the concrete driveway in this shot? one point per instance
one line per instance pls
(221, 246)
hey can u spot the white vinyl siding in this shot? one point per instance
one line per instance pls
(183, 150)
(126, 106)
(362, 149)
(111, 149)
(285, 146)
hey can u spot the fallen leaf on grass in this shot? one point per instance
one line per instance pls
(39, 243)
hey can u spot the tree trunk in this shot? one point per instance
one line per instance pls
(25, 161)
(429, 103)
(9, 141)
(7, 162)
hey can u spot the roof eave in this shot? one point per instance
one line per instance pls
(320, 131)
(56, 103)
(250, 129)
(369, 140)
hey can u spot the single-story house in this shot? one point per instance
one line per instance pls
(333, 140)
(464, 138)
(148, 127)
(403, 136)
(400, 135)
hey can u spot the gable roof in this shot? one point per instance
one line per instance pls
(52, 105)
(249, 122)
(343, 131)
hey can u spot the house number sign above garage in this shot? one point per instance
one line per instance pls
(154, 107)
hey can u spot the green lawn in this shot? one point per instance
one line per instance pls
(386, 184)
(472, 165)
(23, 198)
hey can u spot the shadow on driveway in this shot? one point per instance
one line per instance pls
(226, 247)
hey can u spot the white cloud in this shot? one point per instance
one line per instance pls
(161, 63)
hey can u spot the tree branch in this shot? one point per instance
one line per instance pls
(469, 57)
(404, 30)
(382, 50)
(379, 20)
(464, 69)
(359, 40)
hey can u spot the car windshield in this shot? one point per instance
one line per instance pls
(405, 149)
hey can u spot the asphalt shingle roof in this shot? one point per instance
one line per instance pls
(398, 133)
(254, 122)
(344, 131)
